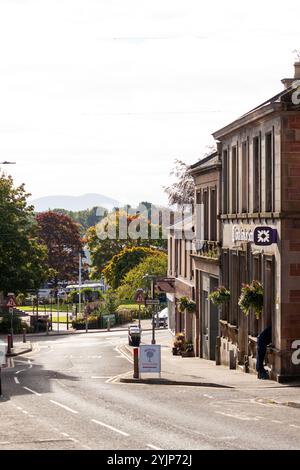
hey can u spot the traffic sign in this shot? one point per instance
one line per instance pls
(152, 302)
(139, 296)
(11, 303)
(11, 310)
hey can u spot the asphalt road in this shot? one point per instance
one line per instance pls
(66, 395)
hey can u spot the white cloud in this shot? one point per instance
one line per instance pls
(102, 95)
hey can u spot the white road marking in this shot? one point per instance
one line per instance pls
(295, 426)
(237, 416)
(101, 377)
(153, 447)
(16, 380)
(65, 434)
(29, 362)
(22, 370)
(207, 396)
(32, 391)
(124, 355)
(116, 377)
(25, 412)
(2, 443)
(276, 421)
(86, 447)
(64, 406)
(110, 427)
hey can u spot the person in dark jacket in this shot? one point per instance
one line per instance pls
(263, 340)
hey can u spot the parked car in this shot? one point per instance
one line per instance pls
(163, 317)
(134, 335)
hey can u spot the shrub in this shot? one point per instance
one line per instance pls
(252, 296)
(18, 325)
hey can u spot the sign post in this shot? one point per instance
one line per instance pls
(11, 304)
(139, 298)
(154, 302)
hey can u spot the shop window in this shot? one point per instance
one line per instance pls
(234, 287)
(269, 291)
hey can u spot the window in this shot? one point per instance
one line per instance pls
(256, 174)
(206, 214)
(170, 251)
(245, 166)
(269, 172)
(225, 182)
(213, 215)
(233, 180)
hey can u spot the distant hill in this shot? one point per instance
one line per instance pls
(74, 203)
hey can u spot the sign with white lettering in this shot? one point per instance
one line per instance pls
(150, 358)
(265, 236)
(242, 234)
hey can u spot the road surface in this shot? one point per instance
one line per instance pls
(66, 395)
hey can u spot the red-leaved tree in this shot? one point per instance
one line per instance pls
(61, 236)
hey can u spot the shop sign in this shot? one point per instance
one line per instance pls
(242, 234)
(265, 236)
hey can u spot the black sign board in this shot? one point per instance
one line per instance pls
(265, 236)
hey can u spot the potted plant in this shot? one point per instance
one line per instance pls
(219, 296)
(188, 350)
(178, 344)
(252, 296)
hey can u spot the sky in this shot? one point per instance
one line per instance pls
(101, 96)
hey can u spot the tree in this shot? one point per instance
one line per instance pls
(61, 236)
(135, 279)
(86, 218)
(103, 249)
(182, 190)
(124, 261)
(22, 257)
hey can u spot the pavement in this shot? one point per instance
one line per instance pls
(194, 371)
(66, 394)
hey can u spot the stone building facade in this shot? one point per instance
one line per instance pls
(260, 155)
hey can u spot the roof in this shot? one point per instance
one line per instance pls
(272, 104)
(206, 161)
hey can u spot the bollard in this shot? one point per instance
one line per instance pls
(136, 363)
(8, 344)
(24, 335)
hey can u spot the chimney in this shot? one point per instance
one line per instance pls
(297, 69)
(287, 82)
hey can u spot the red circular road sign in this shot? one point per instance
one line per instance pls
(11, 303)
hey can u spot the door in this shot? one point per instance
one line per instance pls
(210, 318)
(213, 322)
(205, 324)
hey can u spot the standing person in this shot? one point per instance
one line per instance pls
(263, 340)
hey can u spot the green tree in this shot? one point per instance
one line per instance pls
(22, 257)
(135, 279)
(123, 262)
(103, 250)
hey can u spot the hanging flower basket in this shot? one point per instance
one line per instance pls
(252, 296)
(219, 296)
(186, 305)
